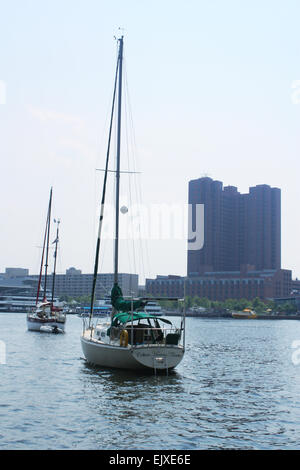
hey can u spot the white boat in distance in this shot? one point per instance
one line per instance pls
(103, 309)
(46, 317)
(153, 308)
(133, 339)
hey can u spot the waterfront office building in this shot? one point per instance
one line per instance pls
(17, 291)
(76, 284)
(267, 284)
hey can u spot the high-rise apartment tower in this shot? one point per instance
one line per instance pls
(239, 229)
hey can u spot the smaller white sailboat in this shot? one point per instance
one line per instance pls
(46, 316)
(153, 308)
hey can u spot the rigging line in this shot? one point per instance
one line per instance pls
(103, 199)
(114, 171)
(128, 163)
(128, 251)
(42, 259)
(104, 245)
(55, 261)
(139, 198)
(100, 148)
(137, 186)
(143, 243)
(105, 249)
(114, 179)
(59, 262)
(133, 159)
(47, 246)
(98, 154)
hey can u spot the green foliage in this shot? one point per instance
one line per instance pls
(215, 305)
(66, 298)
(83, 300)
(204, 302)
(287, 307)
(258, 305)
(168, 304)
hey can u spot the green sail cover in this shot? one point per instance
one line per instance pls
(122, 305)
(125, 317)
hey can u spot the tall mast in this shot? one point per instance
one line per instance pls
(47, 245)
(118, 160)
(55, 258)
(42, 259)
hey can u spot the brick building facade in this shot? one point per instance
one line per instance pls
(246, 284)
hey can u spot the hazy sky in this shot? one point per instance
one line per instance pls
(213, 90)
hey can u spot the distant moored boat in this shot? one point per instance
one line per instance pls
(247, 313)
(45, 316)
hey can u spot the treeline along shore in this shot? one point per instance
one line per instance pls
(205, 308)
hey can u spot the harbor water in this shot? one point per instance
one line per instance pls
(238, 387)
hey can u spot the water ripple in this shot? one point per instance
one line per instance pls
(236, 388)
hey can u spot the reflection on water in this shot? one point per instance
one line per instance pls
(235, 388)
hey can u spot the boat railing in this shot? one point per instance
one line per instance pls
(147, 336)
(84, 323)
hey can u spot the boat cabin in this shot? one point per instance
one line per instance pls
(142, 328)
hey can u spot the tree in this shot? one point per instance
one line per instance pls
(258, 305)
(217, 305)
(230, 304)
(188, 301)
(241, 304)
(196, 301)
(290, 307)
(65, 298)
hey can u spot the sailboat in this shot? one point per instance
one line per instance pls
(46, 316)
(132, 338)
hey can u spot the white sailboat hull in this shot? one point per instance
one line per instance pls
(139, 357)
